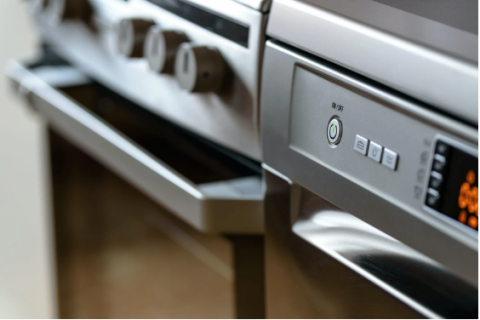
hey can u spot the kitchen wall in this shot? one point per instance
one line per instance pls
(27, 287)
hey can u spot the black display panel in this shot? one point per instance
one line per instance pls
(453, 185)
(224, 27)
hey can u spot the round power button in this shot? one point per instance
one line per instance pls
(334, 131)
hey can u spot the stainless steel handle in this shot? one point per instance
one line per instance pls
(318, 239)
(382, 260)
(233, 206)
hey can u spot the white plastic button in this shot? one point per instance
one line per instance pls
(375, 151)
(361, 145)
(334, 131)
(390, 159)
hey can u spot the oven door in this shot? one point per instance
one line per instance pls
(147, 215)
(322, 262)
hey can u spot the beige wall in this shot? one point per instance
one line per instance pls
(26, 264)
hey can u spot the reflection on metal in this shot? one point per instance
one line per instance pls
(324, 262)
(366, 31)
(298, 95)
(232, 206)
(229, 117)
(342, 233)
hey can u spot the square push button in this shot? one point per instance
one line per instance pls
(361, 145)
(439, 163)
(390, 159)
(433, 199)
(442, 148)
(375, 151)
(436, 180)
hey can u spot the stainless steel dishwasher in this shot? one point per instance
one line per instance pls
(369, 136)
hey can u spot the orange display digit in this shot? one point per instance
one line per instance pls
(468, 199)
(473, 222)
(471, 177)
(463, 197)
(473, 201)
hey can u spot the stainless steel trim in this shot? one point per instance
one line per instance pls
(358, 239)
(233, 206)
(305, 234)
(430, 75)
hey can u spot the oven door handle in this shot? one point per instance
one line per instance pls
(226, 207)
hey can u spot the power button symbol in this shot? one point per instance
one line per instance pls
(334, 131)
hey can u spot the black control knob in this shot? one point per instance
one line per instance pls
(131, 35)
(61, 10)
(199, 68)
(161, 48)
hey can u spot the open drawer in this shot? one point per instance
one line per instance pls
(210, 188)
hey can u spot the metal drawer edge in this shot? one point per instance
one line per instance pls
(211, 208)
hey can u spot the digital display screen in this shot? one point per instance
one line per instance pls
(461, 189)
(453, 186)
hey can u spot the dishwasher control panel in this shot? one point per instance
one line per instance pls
(392, 148)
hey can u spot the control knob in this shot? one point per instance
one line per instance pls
(161, 48)
(60, 10)
(131, 34)
(199, 68)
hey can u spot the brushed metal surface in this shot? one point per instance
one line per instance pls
(229, 118)
(428, 60)
(459, 14)
(296, 108)
(233, 206)
(322, 262)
